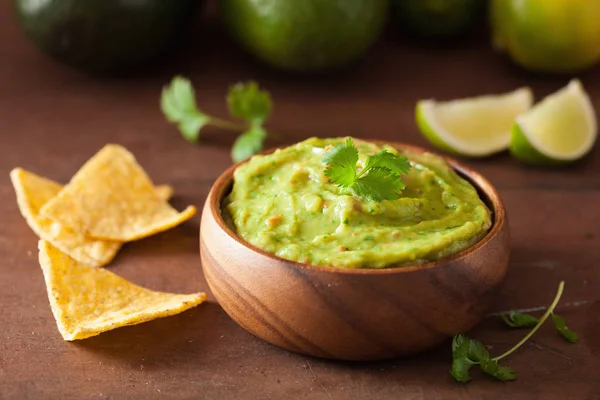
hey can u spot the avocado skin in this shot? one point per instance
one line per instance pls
(105, 36)
(308, 36)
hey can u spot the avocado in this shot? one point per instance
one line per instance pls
(105, 36)
(305, 35)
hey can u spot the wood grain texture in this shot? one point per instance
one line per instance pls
(353, 314)
(52, 119)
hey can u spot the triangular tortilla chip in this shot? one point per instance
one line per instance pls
(112, 198)
(87, 301)
(33, 191)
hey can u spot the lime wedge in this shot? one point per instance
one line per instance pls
(559, 129)
(473, 127)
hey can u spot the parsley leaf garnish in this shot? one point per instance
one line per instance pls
(467, 352)
(245, 101)
(380, 179)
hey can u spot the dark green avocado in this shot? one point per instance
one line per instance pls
(105, 35)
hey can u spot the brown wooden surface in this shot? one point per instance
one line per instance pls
(52, 119)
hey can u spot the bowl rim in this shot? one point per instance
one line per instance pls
(480, 183)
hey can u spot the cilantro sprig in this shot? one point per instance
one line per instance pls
(245, 101)
(467, 352)
(520, 320)
(380, 179)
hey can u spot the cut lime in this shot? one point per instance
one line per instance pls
(559, 129)
(473, 127)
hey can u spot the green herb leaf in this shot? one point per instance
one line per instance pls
(464, 346)
(341, 164)
(248, 144)
(245, 101)
(460, 358)
(379, 184)
(519, 320)
(178, 103)
(493, 368)
(380, 179)
(460, 369)
(467, 352)
(397, 164)
(460, 346)
(477, 351)
(562, 328)
(248, 102)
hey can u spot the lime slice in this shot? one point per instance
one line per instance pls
(559, 129)
(473, 127)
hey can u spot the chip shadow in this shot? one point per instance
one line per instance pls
(181, 239)
(182, 338)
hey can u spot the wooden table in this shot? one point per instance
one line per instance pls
(52, 119)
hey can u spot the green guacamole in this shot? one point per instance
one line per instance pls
(283, 204)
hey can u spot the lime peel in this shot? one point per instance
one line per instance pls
(473, 127)
(559, 129)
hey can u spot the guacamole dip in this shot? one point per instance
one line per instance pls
(283, 204)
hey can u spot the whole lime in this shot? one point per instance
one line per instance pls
(437, 18)
(104, 35)
(305, 35)
(559, 36)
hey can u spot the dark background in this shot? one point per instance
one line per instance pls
(52, 119)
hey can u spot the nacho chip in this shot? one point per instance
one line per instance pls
(34, 191)
(112, 198)
(87, 301)
(165, 192)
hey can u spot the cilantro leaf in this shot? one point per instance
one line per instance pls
(460, 369)
(519, 320)
(477, 351)
(459, 349)
(464, 346)
(248, 102)
(245, 101)
(562, 328)
(380, 179)
(398, 164)
(493, 368)
(248, 143)
(467, 352)
(379, 184)
(461, 364)
(341, 164)
(178, 103)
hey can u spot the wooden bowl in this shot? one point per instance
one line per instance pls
(352, 314)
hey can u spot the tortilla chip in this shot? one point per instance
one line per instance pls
(87, 301)
(165, 192)
(112, 198)
(34, 191)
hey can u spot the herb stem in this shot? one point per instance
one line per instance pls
(361, 173)
(541, 321)
(224, 124)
